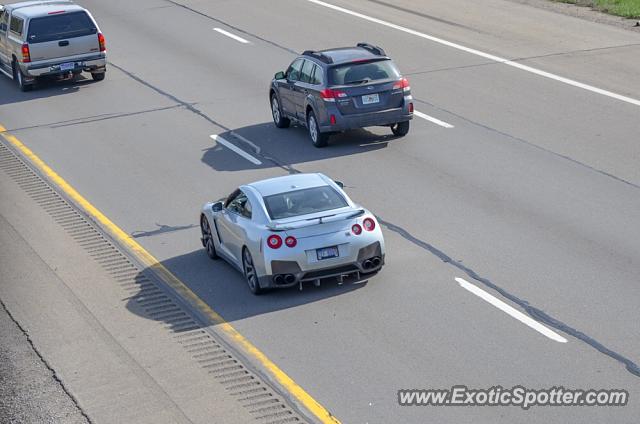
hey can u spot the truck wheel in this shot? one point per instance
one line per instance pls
(19, 78)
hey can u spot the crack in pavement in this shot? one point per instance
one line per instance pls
(532, 311)
(519, 59)
(91, 119)
(533, 145)
(53, 372)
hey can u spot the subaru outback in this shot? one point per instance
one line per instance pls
(339, 89)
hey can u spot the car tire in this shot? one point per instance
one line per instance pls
(276, 113)
(317, 138)
(400, 129)
(250, 274)
(19, 78)
(207, 238)
(98, 76)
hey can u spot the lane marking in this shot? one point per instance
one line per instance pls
(230, 35)
(235, 148)
(489, 56)
(146, 259)
(432, 119)
(249, 142)
(511, 311)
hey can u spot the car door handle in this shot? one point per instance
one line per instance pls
(63, 43)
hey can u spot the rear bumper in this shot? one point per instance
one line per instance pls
(369, 119)
(97, 63)
(369, 261)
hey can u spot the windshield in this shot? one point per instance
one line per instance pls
(303, 202)
(59, 27)
(359, 72)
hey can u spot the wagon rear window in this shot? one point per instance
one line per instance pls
(303, 202)
(60, 27)
(358, 72)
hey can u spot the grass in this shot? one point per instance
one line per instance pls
(624, 8)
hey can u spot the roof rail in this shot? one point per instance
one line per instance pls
(318, 55)
(373, 49)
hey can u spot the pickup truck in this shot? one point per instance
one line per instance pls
(54, 38)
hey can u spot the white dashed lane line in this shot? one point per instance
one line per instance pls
(432, 119)
(235, 149)
(230, 35)
(511, 311)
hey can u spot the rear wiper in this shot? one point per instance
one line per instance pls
(362, 81)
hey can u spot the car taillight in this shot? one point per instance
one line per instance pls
(102, 42)
(330, 95)
(356, 229)
(274, 241)
(332, 119)
(26, 55)
(369, 224)
(410, 107)
(290, 241)
(403, 83)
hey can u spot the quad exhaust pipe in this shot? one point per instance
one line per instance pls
(289, 278)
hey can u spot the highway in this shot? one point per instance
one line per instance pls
(519, 179)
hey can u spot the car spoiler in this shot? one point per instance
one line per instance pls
(278, 226)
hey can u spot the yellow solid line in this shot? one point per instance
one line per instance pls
(167, 276)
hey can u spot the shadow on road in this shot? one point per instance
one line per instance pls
(224, 289)
(290, 146)
(10, 93)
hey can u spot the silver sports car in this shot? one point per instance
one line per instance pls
(288, 230)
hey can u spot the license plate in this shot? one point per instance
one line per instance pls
(370, 98)
(327, 252)
(67, 66)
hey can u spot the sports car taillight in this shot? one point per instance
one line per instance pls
(274, 241)
(290, 241)
(356, 229)
(369, 224)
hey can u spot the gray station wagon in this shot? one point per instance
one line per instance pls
(49, 39)
(339, 89)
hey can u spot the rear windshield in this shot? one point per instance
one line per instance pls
(302, 202)
(359, 72)
(60, 27)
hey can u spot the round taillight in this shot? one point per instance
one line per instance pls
(274, 241)
(290, 241)
(369, 224)
(356, 228)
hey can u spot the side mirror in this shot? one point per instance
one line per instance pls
(216, 207)
(279, 75)
(339, 184)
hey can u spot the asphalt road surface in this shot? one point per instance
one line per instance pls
(530, 193)
(29, 391)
